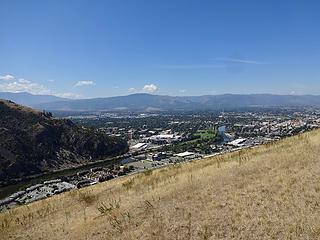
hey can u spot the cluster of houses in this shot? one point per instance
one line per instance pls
(274, 128)
(56, 186)
(98, 174)
(36, 192)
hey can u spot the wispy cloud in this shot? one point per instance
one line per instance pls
(182, 91)
(236, 60)
(84, 83)
(192, 66)
(7, 77)
(22, 80)
(215, 63)
(10, 83)
(23, 85)
(68, 95)
(132, 90)
(13, 84)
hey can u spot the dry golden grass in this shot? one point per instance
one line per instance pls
(268, 192)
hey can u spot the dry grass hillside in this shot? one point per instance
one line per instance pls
(268, 192)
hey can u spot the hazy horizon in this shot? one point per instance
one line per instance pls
(159, 94)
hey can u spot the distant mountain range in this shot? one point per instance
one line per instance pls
(28, 99)
(148, 102)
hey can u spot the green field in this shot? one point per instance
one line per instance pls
(206, 134)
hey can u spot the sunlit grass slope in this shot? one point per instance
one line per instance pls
(268, 192)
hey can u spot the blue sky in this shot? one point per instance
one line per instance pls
(99, 48)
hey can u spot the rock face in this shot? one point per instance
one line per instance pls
(32, 142)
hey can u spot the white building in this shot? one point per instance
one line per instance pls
(238, 142)
(185, 154)
(165, 138)
(139, 146)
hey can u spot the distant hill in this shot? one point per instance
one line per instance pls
(32, 142)
(147, 102)
(29, 99)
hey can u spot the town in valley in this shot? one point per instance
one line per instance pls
(158, 139)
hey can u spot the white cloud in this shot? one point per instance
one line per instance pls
(7, 77)
(150, 88)
(22, 80)
(131, 90)
(22, 85)
(84, 83)
(182, 90)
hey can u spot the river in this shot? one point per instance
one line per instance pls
(222, 130)
(10, 189)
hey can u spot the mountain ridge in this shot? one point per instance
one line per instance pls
(150, 102)
(28, 99)
(33, 142)
(142, 102)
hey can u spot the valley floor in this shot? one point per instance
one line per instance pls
(267, 192)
